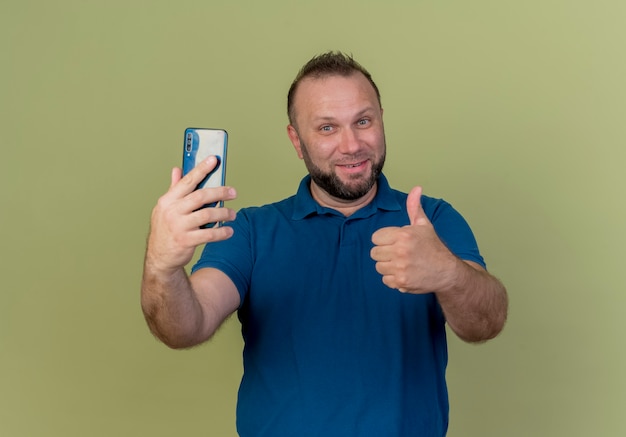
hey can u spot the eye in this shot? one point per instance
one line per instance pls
(363, 122)
(326, 128)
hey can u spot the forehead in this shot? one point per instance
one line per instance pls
(334, 93)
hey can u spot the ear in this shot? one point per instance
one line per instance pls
(295, 139)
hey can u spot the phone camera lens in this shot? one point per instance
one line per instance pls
(188, 142)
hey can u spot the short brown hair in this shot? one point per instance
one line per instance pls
(327, 64)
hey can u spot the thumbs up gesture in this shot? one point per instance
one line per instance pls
(412, 258)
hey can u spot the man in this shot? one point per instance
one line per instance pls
(343, 290)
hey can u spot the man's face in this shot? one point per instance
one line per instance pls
(338, 132)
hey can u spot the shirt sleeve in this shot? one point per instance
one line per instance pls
(234, 256)
(453, 230)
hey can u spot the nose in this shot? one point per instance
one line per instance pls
(350, 142)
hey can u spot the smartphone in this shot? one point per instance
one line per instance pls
(199, 144)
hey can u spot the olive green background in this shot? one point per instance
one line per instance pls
(512, 111)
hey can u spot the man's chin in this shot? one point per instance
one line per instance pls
(345, 185)
(354, 189)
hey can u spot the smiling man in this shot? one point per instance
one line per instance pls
(343, 290)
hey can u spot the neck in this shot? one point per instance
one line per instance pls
(345, 207)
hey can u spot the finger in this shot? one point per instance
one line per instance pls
(190, 181)
(218, 234)
(207, 196)
(414, 207)
(177, 173)
(390, 281)
(207, 215)
(385, 236)
(210, 235)
(384, 268)
(378, 255)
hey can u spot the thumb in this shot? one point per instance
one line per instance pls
(414, 207)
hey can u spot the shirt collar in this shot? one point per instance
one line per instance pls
(305, 205)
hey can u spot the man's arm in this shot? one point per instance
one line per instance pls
(180, 311)
(413, 259)
(474, 303)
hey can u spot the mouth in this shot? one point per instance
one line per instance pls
(353, 165)
(354, 169)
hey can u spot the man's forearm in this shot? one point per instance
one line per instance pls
(170, 306)
(475, 303)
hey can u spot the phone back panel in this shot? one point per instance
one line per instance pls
(199, 144)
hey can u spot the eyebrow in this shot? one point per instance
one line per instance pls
(358, 114)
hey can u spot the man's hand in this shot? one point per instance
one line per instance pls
(176, 219)
(412, 258)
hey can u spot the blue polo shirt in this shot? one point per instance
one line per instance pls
(329, 349)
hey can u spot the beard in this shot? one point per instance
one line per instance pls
(334, 186)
